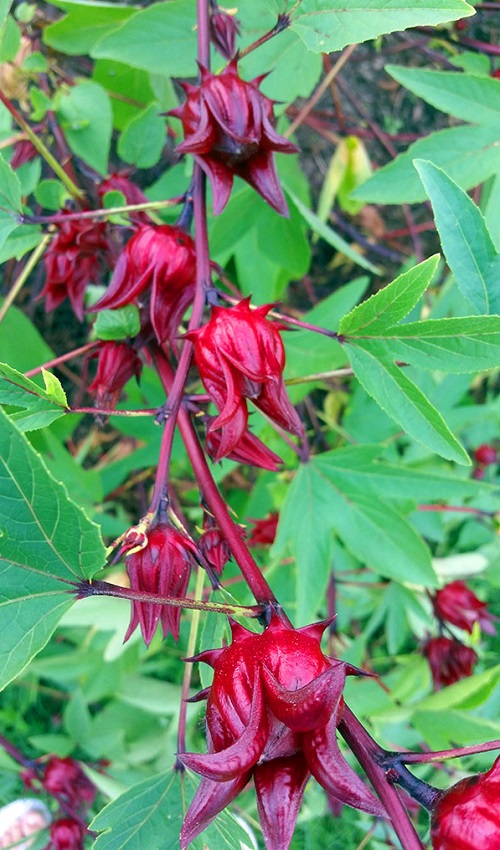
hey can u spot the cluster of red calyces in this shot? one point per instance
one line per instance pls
(162, 566)
(240, 355)
(65, 780)
(155, 271)
(467, 816)
(272, 715)
(74, 259)
(229, 130)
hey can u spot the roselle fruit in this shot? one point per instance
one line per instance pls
(467, 816)
(458, 604)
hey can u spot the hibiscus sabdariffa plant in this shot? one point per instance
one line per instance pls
(275, 710)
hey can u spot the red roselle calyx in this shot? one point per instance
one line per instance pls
(467, 816)
(117, 363)
(272, 715)
(66, 834)
(65, 780)
(240, 355)
(74, 259)
(264, 530)
(229, 130)
(162, 566)
(449, 660)
(213, 546)
(248, 449)
(458, 604)
(156, 268)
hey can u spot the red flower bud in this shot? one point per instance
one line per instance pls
(458, 605)
(248, 449)
(213, 546)
(223, 31)
(65, 780)
(449, 660)
(272, 715)
(24, 151)
(240, 355)
(486, 455)
(264, 531)
(161, 260)
(117, 363)
(229, 130)
(73, 260)
(66, 834)
(163, 567)
(467, 816)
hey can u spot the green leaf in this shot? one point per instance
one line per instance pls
(469, 155)
(467, 244)
(143, 139)
(328, 25)
(10, 200)
(402, 400)
(393, 302)
(86, 118)
(51, 194)
(118, 324)
(318, 504)
(54, 388)
(471, 344)
(331, 237)
(4, 10)
(132, 86)
(44, 538)
(33, 351)
(160, 39)
(466, 96)
(84, 25)
(22, 238)
(150, 814)
(49, 535)
(10, 40)
(40, 407)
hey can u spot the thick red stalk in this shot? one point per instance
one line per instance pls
(250, 570)
(369, 754)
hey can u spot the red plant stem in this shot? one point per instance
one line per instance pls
(281, 24)
(14, 753)
(455, 753)
(459, 509)
(210, 493)
(62, 359)
(369, 754)
(104, 588)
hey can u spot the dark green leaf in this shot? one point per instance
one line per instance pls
(10, 199)
(84, 25)
(466, 241)
(149, 815)
(143, 139)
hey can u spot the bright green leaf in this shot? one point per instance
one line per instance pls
(402, 400)
(467, 244)
(51, 194)
(466, 96)
(393, 302)
(84, 25)
(86, 118)
(118, 324)
(10, 199)
(143, 139)
(468, 154)
(22, 239)
(160, 39)
(328, 25)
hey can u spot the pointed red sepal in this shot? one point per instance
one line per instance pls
(209, 800)
(279, 786)
(330, 769)
(239, 757)
(208, 656)
(239, 632)
(200, 696)
(317, 630)
(308, 707)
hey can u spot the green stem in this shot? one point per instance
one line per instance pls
(42, 149)
(22, 278)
